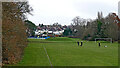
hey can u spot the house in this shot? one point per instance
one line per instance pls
(49, 30)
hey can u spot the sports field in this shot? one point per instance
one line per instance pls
(63, 51)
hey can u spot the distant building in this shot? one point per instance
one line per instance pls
(50, 30)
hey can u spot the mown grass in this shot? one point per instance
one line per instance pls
(65, 52)
(59, 39)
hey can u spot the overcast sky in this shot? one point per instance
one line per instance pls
(63, 11)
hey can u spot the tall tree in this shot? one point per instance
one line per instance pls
(79, 25)
(14, 36)
(31, 27)
(111, 26)
(67, 32)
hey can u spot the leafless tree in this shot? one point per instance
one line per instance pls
(14, 31)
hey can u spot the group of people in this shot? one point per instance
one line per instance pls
(82, 44)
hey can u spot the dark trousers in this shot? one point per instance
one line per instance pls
(78, 43)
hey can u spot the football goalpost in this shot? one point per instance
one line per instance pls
(110, 39)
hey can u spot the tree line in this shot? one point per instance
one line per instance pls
(88, 29)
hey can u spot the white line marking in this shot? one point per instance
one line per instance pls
(47, 56)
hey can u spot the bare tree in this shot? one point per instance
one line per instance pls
(111, 27)
(14, 31)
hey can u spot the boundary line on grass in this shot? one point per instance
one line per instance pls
(47, 56)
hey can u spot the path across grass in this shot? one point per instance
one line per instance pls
(65, 52)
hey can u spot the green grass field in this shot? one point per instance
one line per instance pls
(63, 51)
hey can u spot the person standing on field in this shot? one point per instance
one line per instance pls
(78, 43)
(99, 44)
(81, 43)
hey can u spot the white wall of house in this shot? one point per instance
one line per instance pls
(38, 32)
